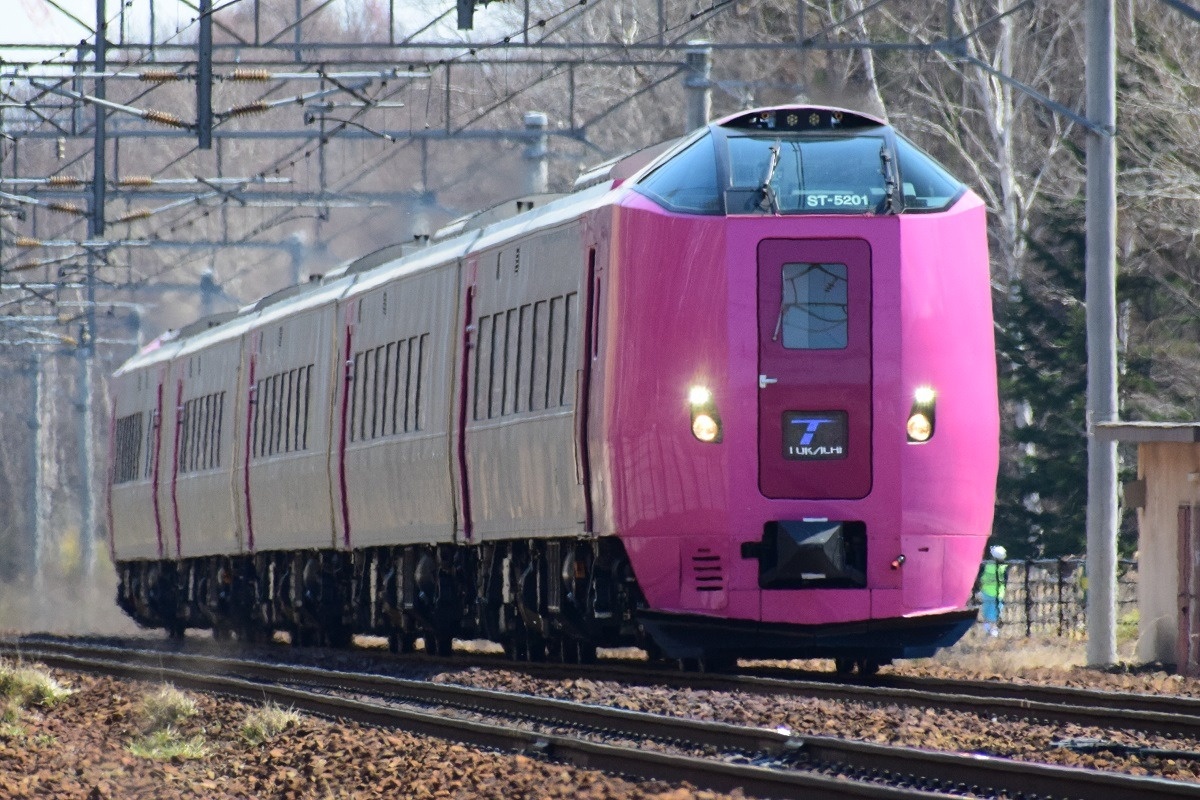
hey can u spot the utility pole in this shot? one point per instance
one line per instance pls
(86, 349)
(204, 78)
(1101, 300)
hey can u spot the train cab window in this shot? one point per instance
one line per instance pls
(814, 313)
(687, 183)
(927, 184)
(812, 175)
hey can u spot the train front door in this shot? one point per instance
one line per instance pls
(814, 364)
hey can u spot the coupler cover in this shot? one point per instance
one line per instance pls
(796, 554)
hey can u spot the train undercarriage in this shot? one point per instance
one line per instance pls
(556, 599)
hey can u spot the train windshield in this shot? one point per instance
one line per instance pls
(821, 175)
(871, 170)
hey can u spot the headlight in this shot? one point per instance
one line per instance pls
(921, 416)
(706, 422)
(919, 428)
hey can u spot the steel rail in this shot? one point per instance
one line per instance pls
(924, 773)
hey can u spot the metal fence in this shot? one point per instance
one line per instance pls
(1048, 597)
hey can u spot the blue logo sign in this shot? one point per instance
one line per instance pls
(811, 429)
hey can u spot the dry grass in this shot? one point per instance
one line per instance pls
(166, 707)
(265, 723)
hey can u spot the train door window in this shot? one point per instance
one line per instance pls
(483, 357)
(813, 315)
(570, 349)
(355, 391)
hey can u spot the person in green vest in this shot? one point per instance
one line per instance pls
(991, 589)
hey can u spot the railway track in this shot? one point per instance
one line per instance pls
(711, 755)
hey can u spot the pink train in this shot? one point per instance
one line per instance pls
(734, 397)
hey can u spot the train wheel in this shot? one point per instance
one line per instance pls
(176, 631)
(535, 648)
(843, 666)
(515, 648)
(867, 667)
(339, 637)
(438, 644)
(587, 653)
(400, 643)
(222, 633)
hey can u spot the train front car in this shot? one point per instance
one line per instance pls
(802, 432)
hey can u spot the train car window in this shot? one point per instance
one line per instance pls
(150, 454)
(822, 175)
(372, 390)
(305, 397)
(499, 359)
(255, 417)
(277, 415)
(481, 358)
(403, 376)
(387, 401)
(418, 373)
(216, 445)
(352, 396)
(524, 338)
(204, 424)
(128, 455)
(687, 183)
(512, 358)
(927, 185)
(539, 369)
(814, 313)
(181, 421)
(554, 337)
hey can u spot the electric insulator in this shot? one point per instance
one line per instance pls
(244, 74)
(165, 118)
(251, 108)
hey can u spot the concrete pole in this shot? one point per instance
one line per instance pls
(204, 78)
(699, 85)
(1100, 297)
(537, 153)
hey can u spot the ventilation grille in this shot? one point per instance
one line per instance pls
(708, 575)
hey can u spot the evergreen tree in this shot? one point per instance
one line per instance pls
(1041, 347)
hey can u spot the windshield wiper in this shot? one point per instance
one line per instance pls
(889, 180)
(769, 201)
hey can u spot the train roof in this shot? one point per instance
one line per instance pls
(499, 223)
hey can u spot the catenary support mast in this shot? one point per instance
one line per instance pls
(1100, 297)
